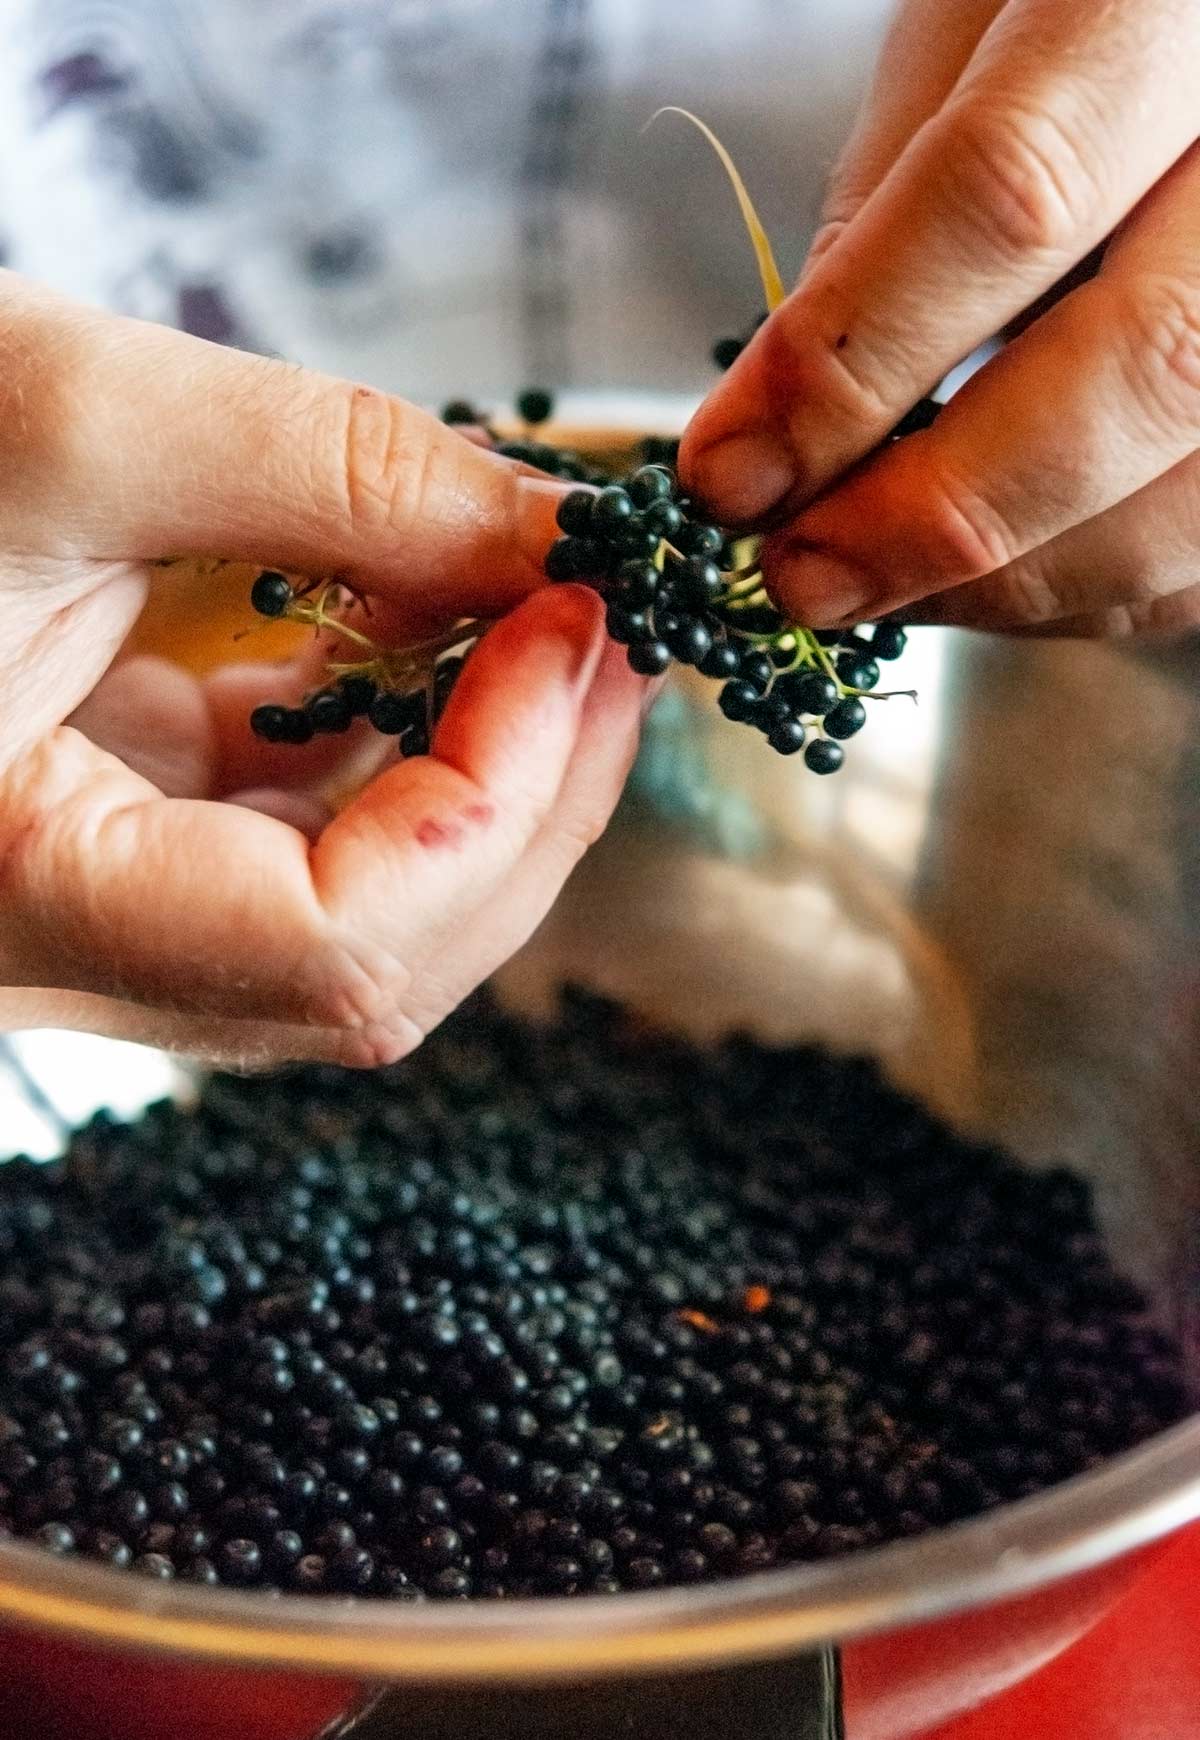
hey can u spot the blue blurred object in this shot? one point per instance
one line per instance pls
(673, 780)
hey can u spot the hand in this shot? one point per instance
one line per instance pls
(135, 897)
(1001, 144)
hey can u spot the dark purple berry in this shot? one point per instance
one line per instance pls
(535, 405)
(822, 756)
(846, 719)
(270, 722)
(650, 484)
(787, 737)
(723, 660)
(271, 593)
(649, 658)
(574, 513)
(888, 641)
(329, 711)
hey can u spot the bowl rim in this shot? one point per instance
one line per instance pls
(1126, 1504)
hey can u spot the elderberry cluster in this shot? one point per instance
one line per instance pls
(679, 589)
(408, 714)
(676, 587)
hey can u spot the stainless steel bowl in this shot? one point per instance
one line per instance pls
(1000, 897)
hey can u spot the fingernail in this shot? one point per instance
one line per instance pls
(743, 477)
(821, 590)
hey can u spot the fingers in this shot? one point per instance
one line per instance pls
(1132, 569)
(135, 441)
(151, 715)
(591, 787)
(923, 55)
(207, 909)
(224, 1041)
(1042, 147)
(1096, 400)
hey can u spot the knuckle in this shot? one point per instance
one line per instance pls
(376, 1047)
(802, 369)
(378, 466)
(1160, 318)
(1022, 177)
(1028, 597)
(964, 535)
(365, 1006)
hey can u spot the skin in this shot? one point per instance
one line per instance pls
(164, 875)
(1001, 146)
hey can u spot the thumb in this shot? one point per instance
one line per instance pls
(140, 442)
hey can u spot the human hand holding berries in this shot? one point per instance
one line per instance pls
(1004, 141)
(135, 898)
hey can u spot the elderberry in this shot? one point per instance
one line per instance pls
(271, 593)
(535, 405)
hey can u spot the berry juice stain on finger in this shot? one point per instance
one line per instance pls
(433, 834)
(450, 833)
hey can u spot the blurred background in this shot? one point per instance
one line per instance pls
(438, 196)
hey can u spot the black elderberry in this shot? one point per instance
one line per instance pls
(858, 672)
(888, 641)
(535, 405)
(351, 1569)
(416, 740)
(576, 558)
(574, 513)
(787, 737)
(328, 711)
(664, 518)
(649, 658)
(296, 726)
(847, 718)
(726, 351)
(636, 542)
(108, 1548)
(308, 1577)
(757, 670)
(552, 1325)
(613, 509)
(639, 584)
(690, 641)
(700, 540)
(738, 699)
(626, 626)
(810, 692)
(154, 1565)
(698, 582)
(439, 1547)
(271, 593)
(822, 756)
(270, 722)
(460, 411)
(723, 660)
(650, 484)
(560, 560)
(56, 1537)
(393, 714)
